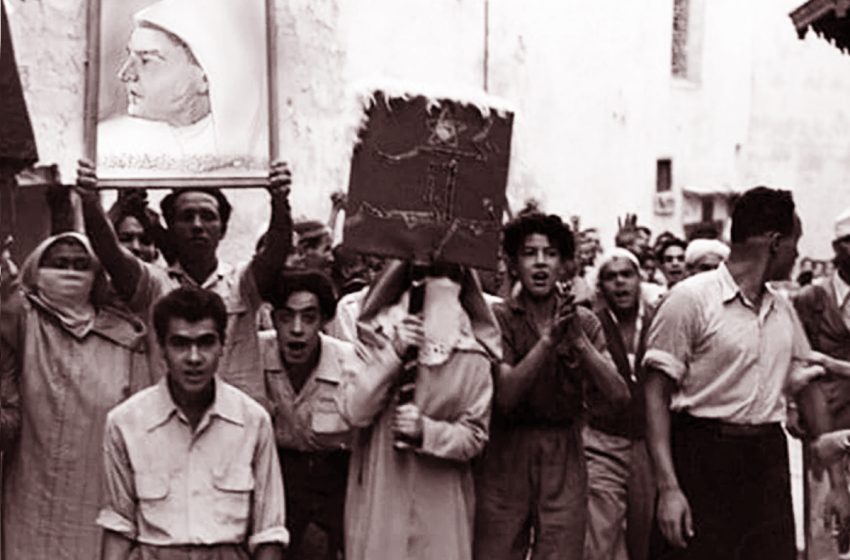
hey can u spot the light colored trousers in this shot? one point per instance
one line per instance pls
(620, 497)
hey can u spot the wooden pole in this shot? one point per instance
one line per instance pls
(271, 76)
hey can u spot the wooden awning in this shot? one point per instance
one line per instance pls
(828, 18)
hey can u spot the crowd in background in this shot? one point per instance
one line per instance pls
(588, 399)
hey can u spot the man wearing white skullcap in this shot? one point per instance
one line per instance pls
(702, 255)
(619, 478)
(824, 308)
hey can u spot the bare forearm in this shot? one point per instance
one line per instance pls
(658, 388)
(115, 546)
(270, 261)
(602, 371)
(513, 381)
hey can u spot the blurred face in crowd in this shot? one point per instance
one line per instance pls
(673, 264)
(784, 252)
(197, 227)
(620, 284)
(298, 324)
(539, 265)
(66, 254)
(192, 351)
(586, 253)
(133, 237)
(642, 238)
(317, 253)
(841, 247)
(162, 79)
(704, 264)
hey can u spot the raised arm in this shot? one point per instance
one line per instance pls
(124, 269)
(268, 263)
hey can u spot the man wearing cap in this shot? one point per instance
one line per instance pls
(619, 476)
(303, 369)
(313, 246)
(703, 255)
(824, 309)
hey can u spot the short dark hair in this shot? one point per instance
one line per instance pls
(559, 234)
(305, 280)
(191, 304)
(762, 210)
(670, 242)
(169, 203)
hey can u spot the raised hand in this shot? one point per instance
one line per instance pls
(280, 178)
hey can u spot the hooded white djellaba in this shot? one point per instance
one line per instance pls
(227, 38)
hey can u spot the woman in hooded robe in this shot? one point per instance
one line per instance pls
(66, 358)
(418, 502)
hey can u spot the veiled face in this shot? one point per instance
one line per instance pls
(163, 81)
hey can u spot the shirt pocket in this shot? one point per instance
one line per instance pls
(152, 490)
(325, 419)
(233, 486)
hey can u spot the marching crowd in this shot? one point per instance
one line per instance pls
(580, 403)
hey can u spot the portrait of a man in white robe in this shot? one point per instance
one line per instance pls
(187, 95)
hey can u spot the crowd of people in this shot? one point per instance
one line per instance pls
(578, 403)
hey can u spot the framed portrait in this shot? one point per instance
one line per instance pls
(180, 92)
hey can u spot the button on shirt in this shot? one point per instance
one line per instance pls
(240, 365)
(731, 360)
(309, 419)
(170, 486)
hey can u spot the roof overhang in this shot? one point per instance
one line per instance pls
(828, 18)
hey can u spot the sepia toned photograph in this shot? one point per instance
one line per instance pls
(424, 280)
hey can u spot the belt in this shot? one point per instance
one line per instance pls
(727, 429)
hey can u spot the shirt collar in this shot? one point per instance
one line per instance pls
(842, 290)
(224, 406)
(729, 290)
(328, 368)
(221, 271)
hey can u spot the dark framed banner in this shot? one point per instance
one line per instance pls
(428, 179)
(181, 92)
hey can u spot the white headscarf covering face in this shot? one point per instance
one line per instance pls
(67, 294)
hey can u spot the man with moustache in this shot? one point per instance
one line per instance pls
(196, 220)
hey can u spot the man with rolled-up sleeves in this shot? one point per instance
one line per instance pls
(191, 464)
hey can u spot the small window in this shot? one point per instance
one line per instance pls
(663, 175)
(680, 58)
